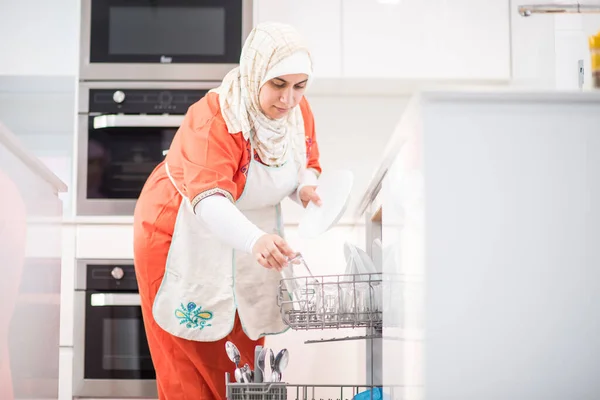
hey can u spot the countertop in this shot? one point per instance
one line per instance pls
(464, 94)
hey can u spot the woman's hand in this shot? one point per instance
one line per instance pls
(308, 194)
(272, 251)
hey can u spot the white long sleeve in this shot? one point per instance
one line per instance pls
(228, 223)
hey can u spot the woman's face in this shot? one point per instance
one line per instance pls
(279, 95)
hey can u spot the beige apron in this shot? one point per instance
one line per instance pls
(206, 280)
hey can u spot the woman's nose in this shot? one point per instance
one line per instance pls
(287, 97)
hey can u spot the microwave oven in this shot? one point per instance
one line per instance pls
(157, 40)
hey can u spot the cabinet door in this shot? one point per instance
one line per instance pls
(318, 21)
(426, 39)
(39, 37)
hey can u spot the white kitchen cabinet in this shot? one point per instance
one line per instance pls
(489, 200)
(39, 37)
(426, 39)
(30, 269)
(318, 21)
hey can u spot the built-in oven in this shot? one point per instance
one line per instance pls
(124, 129)
(162, 39)
(111, 355)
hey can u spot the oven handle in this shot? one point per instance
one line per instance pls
(115, 299)
(135, 121)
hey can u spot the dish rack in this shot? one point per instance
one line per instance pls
(333, 302)
(285, 391)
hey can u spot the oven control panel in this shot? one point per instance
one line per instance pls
(143, 101)
(120, 277)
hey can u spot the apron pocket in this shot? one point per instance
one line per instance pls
(202, 311)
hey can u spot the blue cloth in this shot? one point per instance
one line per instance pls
(371, 394)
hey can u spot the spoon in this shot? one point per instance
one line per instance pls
(234, 355)
(271, 358)
(260, 362)
(284, 359)
(247, 374)
(239, 378)
(281, 362)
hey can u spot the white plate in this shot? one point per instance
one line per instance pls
(334, 188)
(358, 259)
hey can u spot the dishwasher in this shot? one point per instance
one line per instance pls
(327, 303)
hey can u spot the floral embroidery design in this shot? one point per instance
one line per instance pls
(193, 316)
(309, 143)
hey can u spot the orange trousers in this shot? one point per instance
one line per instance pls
(12, 258)
(185, 370)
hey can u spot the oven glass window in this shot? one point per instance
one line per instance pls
(121, 159)
(116, 346)
(166, 31)
(123, 343)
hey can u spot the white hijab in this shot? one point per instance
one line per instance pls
(271, 50)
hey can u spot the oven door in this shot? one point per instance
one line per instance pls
(116, 155)
(112, 358)
(162, 39)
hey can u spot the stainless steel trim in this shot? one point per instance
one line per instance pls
(172, 72)
(132, 121)
(568, 8)
(85, 87)
(98, 388)
(247, 19)
(115, 299)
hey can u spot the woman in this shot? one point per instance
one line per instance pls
(208, 240)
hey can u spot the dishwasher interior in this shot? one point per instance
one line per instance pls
(327, 303)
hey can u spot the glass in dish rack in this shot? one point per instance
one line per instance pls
(331, 301)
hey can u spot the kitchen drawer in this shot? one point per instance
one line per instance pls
(105, 241)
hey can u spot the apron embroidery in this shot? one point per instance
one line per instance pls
(192, 316)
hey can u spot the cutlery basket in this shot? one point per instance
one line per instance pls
(285, 391)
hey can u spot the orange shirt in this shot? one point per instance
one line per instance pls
(204, 158)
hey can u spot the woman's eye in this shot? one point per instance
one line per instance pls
(278, 84)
